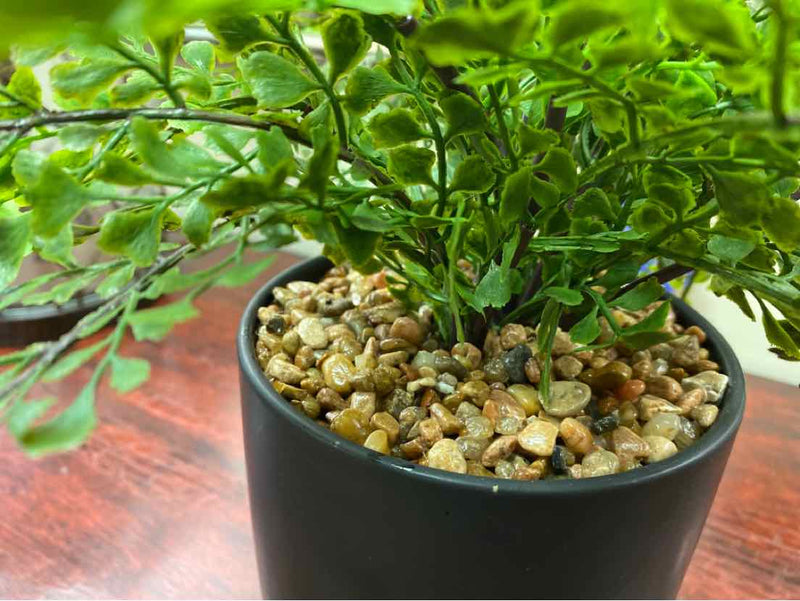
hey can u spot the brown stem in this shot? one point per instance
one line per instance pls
(664, 275)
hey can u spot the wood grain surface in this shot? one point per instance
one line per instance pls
(155, 505)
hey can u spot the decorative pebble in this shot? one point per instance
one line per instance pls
(312, 332)
(499, 449)
(514, 361)
(577, 436)
(650, 405)
(599, 463)
(568, 398)
(538, 437)
(663, 424)
(384, 421)
(626, 443)
(407, 329)
(705, 414)
(378, 441)
(512, 335)
(337, 370)
(351, 357)
(450, 423)
(445, 455)
(350, 424)
(472, 447)
(665, 387)
(567, 367)
(714, 383)
(479, 427)
(660, 448)
(527, 396)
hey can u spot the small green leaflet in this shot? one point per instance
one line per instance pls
(641, 296)
(366, 87)
(560, 166)
(411, 165)
(587, 329)
(155, 323)
(473, 175)
(244, 273)
(394, 128)
(15, 235)
(72, 361)
(467, 34)
(345, 43)
(565, 296)
(66, 431)
(128, 374)
(776, 334)
(135, 235)
(56, 199)
(275, 81)
(515, 196)
(730, 250)
(463, 115)
(24, 413)
(116, 281)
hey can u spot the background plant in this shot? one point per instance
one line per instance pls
(555, 147)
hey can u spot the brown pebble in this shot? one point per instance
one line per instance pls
(690, 400)
(642, 369)
(567, 367)
(413, 449)
(445, 455)
(698, 332)
(499, 449)
(630, 390)
(384, 421)
(532, 371)
(501, 404)
(467, 354)
(664, 387)
(429, 431)
(538, 437)
(476, 391)
(330, 400)
(351, 425)
(513, 334)
(704, 365)
(450, 423)
(305, 357)
(406, 328)
(576, 436)
(364, 402)
(378, 441)
(627, 443)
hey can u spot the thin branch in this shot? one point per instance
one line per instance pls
(667, 274)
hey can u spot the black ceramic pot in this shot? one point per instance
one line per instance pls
(335, 520)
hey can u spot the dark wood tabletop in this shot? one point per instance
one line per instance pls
(155, 504)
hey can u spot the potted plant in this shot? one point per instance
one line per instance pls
(491, 377)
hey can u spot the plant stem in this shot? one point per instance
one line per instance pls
(501, 124)
(779, 63)
(433, 123)
(173, 94)
(667, 274)
(302, 53)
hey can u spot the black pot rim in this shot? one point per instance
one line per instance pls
(725, 427)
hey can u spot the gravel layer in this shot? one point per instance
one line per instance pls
(350, 356)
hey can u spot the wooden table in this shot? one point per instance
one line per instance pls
(155, 505)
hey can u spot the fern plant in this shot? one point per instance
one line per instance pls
(543, 162)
